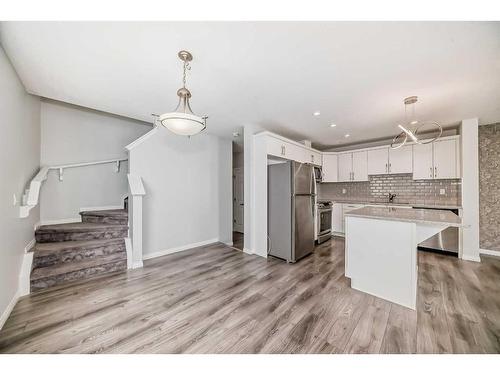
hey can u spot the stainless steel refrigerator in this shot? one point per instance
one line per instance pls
(291, 200)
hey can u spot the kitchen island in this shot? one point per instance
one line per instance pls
(381, 248)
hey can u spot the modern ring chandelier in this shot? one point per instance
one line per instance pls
(182, 120)
(430, 130)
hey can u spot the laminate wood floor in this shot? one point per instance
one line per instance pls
(218, 300)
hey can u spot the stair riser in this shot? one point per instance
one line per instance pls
(47, 282)
(105, 219)
(76, 254)
(79, 236)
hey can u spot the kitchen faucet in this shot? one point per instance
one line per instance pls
(391, 197)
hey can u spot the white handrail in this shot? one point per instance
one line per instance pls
(30, 198)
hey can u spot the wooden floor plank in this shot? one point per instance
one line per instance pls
(214, 299)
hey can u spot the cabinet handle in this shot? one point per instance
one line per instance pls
(390, 165)
(312, 158)
(435, 172)
(386, 168)
(431, 173)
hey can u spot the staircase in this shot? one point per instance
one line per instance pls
(77, 251)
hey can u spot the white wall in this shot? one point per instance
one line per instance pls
(19, 161)
(470, 189)
(72, 134)
(188, 187)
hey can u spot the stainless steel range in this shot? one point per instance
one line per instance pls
(324, 220)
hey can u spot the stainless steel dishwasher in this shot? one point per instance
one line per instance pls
(446, 241)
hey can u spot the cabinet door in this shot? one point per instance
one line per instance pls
(330, 168)
(445, 159)
(360, 166)
(423, 168)
(345, 167)
(401, 160)
(337, 218)
(315, 158)
(378, 161)
(276, 147)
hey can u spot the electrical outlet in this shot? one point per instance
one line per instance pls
(442, 191)
(343, 191)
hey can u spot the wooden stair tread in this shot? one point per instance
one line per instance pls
(44, 247)
(42, 272)
(80, 227)
(117, 212)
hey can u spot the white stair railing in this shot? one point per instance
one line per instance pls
(32, 194)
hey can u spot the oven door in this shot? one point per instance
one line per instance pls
(325, 221)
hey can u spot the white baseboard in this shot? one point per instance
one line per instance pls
(24, 287)
(228, 243)
(8, 309)
(471, 258)
(102, 208)
(61, 221)
(179, 248)
(493, 253)
(137, 264)
(247, 251)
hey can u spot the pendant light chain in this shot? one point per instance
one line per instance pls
(185, 67)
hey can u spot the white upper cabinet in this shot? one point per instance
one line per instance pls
(345, 167)
(276, 147)
(423, 168)
(353, 166)
(330, 168)
(400, 160)
(437, 160)
(360, 166)
(378, 161)
(445, 159)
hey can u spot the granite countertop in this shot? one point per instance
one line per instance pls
(420, 216)
(368, 202)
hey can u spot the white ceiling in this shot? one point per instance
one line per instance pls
(272, 74)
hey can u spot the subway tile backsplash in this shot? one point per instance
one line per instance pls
(406, 189)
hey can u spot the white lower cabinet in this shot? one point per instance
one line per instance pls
(337, 218)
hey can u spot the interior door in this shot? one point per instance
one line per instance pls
(345, 167)
(238, 204)
(360, 166)
(445, 157)
(401, 160)
(304, 226)
(423, 168)
(378, 161)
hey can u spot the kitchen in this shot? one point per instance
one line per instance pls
(422, 178)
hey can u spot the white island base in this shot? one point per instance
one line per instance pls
(381, 249)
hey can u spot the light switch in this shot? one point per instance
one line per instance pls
(442, 191)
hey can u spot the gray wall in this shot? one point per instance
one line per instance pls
(19, 162)
(489, 186)
(72, 134)
(188, 187)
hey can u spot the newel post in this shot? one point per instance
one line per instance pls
(136, 188)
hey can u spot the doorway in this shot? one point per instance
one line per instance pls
(238, 192)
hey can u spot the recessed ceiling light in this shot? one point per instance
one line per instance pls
(347, 135)
(317, 113)
(333, 125)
